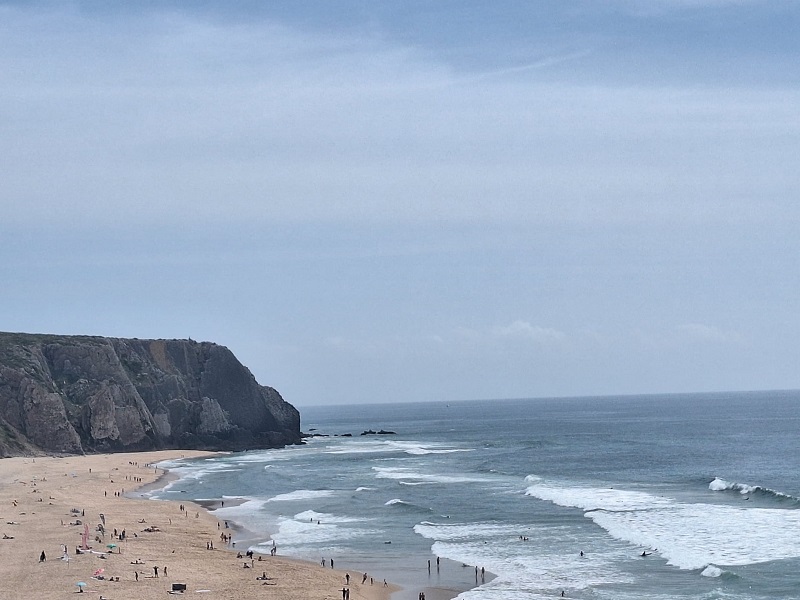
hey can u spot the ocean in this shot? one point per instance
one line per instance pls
(660, 496)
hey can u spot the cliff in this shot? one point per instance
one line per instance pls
(77, 394)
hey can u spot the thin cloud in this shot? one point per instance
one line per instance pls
(655, 8)
(542, 63)
(707, 333)
(522, 330)
(276, 125)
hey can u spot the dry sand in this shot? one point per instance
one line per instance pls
(39, 498)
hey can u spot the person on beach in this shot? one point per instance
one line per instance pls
(347, 578)
(155, 571)
(42, 557)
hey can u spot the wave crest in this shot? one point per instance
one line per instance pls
(721, 485)
(711, 571)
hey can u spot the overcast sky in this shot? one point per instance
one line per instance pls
(373, 201)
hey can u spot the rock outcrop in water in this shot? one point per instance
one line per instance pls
(76, 394)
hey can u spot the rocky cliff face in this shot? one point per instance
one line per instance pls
(75, 394)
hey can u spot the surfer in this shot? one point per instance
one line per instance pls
(646, 553)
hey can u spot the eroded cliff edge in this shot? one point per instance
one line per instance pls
(76, 394)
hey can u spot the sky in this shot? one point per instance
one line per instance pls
(372, 201)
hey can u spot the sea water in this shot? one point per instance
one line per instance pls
(666, 497)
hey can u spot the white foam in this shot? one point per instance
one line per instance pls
(402, 473)
(712, 571)
(301, 495)
(688, 536)
(260, 456)
(312, 515)
(691, 536)
(194, 472)
(591, 498)
(393, 446)
(719, 485)
(293, 532)
(448, 532)
(246, 509)
(538, 568)
(395, 501)
(364, 489)
(251, 514)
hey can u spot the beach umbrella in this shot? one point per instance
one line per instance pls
(98, 572)
(111, 546)
(81, 585)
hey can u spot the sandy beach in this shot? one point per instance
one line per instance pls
(47, 504)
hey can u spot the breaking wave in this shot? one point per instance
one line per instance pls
(720, 485)
(397, 502)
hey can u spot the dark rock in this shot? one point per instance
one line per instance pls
(75, 394)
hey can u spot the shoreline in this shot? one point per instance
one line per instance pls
(47, 503)
(404, 591)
